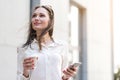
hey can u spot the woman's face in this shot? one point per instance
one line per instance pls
(40, 19)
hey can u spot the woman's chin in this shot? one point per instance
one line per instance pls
(38, 28)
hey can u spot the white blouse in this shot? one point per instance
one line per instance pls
(52, 59)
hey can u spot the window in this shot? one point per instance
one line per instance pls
(74, 28)
(77, 39)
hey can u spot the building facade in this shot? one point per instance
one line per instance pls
(86, 25)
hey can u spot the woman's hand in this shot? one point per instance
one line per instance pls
(69, 72)
(28, 64)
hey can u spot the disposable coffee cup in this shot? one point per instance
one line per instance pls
(33, 56)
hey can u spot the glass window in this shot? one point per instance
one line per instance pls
(74, 28)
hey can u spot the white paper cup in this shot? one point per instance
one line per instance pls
(34, 56)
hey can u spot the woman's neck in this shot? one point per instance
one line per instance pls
(45, 39)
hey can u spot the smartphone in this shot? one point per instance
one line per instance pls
(76, 64)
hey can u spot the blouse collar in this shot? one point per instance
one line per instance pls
(50, 44)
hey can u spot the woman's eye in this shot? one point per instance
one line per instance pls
(42, 15)
(34, 15)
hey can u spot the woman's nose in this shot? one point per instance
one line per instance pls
(37, 18)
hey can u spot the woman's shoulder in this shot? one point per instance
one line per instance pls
(20, 49)
(61, 42)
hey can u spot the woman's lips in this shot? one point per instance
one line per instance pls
(36, 24)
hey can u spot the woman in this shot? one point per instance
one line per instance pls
(51, 59)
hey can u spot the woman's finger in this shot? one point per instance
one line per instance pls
(67, 73)
(28, 60)
(28, 68)
(28, 63)
(69, 70)
(73, 68)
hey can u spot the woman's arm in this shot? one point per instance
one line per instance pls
(67, 72)
(20, 75)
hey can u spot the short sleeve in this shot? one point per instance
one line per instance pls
(20, 52)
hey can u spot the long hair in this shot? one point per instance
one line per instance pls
(49, 29)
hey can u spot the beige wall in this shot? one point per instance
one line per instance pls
(99, 40)
(99, 49)
(13, 15)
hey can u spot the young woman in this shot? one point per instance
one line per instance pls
(51, 54)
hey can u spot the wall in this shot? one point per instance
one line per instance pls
(14, 15)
